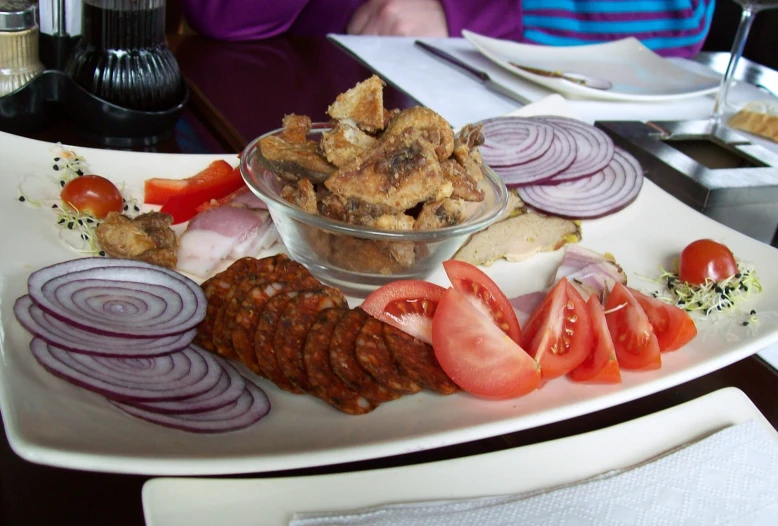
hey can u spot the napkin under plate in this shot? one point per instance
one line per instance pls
(729, 477)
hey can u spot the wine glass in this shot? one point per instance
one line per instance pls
(750, 9)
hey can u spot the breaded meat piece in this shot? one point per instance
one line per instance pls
(363, 104)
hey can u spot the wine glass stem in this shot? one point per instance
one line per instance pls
(737, 51)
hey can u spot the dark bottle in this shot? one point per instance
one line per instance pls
(122, 56)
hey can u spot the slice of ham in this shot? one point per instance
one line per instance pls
(213, 235)
(588, 271)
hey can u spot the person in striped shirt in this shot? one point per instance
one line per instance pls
(669, 27)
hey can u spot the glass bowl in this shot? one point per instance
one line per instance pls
(359, 259)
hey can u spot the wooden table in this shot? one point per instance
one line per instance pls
(238, 92)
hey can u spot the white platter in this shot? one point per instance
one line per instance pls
(51, 422)
(194, 502)
(637, 73)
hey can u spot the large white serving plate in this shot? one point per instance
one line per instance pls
(637, 73)
(238, 502)
(51, 422)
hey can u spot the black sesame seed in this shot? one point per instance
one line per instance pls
(102, 253)
(22, 199)
(90, 220)
(136, 208)
(80, 222)
(56, 159)
(745, 288)
(62, 183)
(126, 207)
(745, 324)
(752, 312)
(54, 206)
(70, 225)
(738, 275)
(699, 304)
(79, 172)
(56, 167)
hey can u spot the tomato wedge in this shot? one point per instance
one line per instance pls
(477, 355)
(601, 366)
(558, 334)
(633, 338)
(485, 295)
(673, 327)
(215, 181)
(408, 305)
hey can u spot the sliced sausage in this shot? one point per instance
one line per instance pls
(216, 290)
(344, 361)
(289, 340)
(375, 357)
(263, 340)
(417, 360)
(324, 383)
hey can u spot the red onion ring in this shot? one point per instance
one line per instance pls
(559, 156)
(595, 149)
(510, 141)
(184, 374)
(73, 339)
(601, 194)
(230, 386)
(118, 297)
(249, 408)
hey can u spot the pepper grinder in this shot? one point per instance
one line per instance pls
(19, 59)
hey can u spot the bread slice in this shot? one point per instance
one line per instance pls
(757, 118)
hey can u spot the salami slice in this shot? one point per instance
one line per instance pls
(417, 360)
(247, 320)
(263, 340)
(289, 341)
(344, 361)
(264, 266)
(216, 290)
(375, 357)
(324, 383)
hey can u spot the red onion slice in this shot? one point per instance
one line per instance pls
(248, 409)
(73, 339)
(559, 156)
(514, 140)
(595, 149)
(600, 194)
(230, 386)
(118, 297)
(184, 374)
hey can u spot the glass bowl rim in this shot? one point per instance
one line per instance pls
(332, 225)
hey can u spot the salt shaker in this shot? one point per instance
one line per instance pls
(19, 60)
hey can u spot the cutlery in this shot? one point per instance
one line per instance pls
(478, 74)
(577, 78)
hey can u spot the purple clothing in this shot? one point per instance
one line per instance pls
(255, 19)
(669, 27)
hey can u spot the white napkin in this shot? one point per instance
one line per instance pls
(730, 477)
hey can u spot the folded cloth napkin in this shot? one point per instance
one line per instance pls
(730, 477)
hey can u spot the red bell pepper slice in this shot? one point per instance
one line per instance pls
(218, 180)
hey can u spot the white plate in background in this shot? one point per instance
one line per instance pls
(271, 502)
(52, 422)
(637, 73)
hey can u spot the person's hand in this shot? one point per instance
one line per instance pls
(407, 18)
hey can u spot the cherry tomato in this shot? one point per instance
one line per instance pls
(485, 295)
(673, 327)
(706, 259)
(558, 334)
(601, 366)
(633, 337)
(93, 195)
(408, 305)
(477, 355)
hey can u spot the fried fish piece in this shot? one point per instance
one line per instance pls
(301, 194)
(447, 212)
(464, 186)
(428, 124)
(147, 237)
(400, 172)
(296, 128)
(344, 142)
(293, 161)
(363, 104)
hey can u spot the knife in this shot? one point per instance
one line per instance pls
(478, 74)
